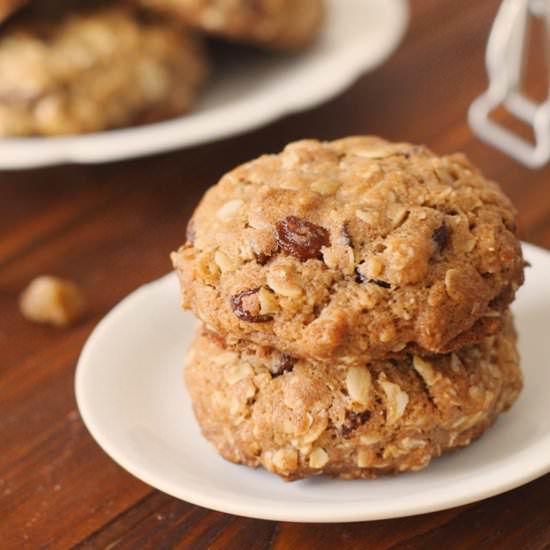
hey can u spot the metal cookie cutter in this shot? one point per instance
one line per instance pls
(505, 57)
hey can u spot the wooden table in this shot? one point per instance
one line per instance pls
(110, 228)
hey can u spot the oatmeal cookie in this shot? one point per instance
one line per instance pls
(352, 250)
(277, 24)
(298, 419)
(94, 70)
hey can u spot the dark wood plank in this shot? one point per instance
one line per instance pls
(44, 374)
(163, 522)
(111, 228)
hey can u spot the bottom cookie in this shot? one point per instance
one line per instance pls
(298, 419)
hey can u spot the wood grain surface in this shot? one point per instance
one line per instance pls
(111, 227)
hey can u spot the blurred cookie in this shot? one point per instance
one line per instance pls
(94, 70)
(298, 419)
(278, 24)
(352, 250)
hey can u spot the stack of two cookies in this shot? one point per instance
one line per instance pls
(355, 298)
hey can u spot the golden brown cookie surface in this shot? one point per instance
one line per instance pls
(278, 24)
(297, 419)
(93, 70)
(352, 250)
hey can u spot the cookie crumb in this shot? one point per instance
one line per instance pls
(49, 299)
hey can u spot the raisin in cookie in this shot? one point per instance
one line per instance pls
(93, 70)
(298, 419)
(278, 24)
(352, 250)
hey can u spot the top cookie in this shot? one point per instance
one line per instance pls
(278, 24)
(352, 250)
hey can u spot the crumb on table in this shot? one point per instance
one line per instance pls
(49, 299)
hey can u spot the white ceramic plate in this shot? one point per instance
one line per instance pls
(131, 397)
(248, 89)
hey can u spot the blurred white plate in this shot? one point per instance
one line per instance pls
(131, 397)
(248, 89)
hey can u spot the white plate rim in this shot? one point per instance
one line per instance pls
(531, 463)
(120, 144)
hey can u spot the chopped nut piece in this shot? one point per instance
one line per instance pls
(411, 443)
(381, 152)
(358, 384)
(387, 334)
(426, 370)
(229, 209)
(207, 269)
(52, 300)
(369, 439)
(397, 399)
(397, 214)
(374, 267)
(224, 262)
(339, 257)
(364, 458)
(225, 358)
(318, 458)
(325, 187)
(475, 392)
(278, 281)
(456, 363)
(469, 245)
(453, 284)
(218, 400)
(319, 425)
(268, 301)
(237, 373)
(292, 185)
(285, 460)
(368, 216)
